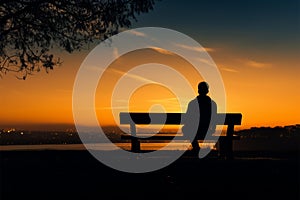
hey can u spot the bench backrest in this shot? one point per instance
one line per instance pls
(173, 118)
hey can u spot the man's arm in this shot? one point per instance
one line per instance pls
(191, 119)
(213, 116)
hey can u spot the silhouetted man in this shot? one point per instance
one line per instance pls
(199, 114)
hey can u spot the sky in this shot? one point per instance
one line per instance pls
(255, 45)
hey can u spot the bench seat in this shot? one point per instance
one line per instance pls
(224, 141)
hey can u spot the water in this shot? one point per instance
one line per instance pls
(101, 146)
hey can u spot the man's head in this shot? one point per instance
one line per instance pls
(202, 88)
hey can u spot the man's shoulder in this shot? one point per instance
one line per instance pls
(193, 101)
(193, 104)
(206, 98)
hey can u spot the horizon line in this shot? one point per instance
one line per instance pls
(39, 126)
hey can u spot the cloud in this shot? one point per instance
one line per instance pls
(115, 53)
(256, 64)
(229, 69)
(195, 48)
(206, 61)
(137, 33)
(95, 68)
(209, 49)
(134, 76)
(162, 51)
(114, 108)
(169, 100)
(120, 100)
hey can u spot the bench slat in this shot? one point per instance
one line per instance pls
(173, 118)
(133, 118)
(171, 137)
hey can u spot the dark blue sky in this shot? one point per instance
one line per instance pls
(246, 25)
(255, 44)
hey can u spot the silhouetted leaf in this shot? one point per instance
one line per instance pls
(29, 29)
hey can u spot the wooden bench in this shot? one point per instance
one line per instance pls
(224, 142)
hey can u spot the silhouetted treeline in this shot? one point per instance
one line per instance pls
(28, 137)
(292, 131)
(279, 139)
(257, 135)
(38, 137)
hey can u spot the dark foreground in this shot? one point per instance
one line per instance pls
(77, 175)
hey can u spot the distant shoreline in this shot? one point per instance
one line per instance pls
(65, 126)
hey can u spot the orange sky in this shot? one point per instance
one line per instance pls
(263, 91)
(254, 44)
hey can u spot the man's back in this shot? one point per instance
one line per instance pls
(200, 116)
(207, 109)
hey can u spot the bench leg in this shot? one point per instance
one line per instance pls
(135, 145)
(225, 148)
(229, 151)
(227, 143)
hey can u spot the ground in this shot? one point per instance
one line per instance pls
(54, 174)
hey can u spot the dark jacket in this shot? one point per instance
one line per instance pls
(200, 112)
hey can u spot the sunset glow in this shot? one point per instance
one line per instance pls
(261, 94)
(163, 99)
(259, 68)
